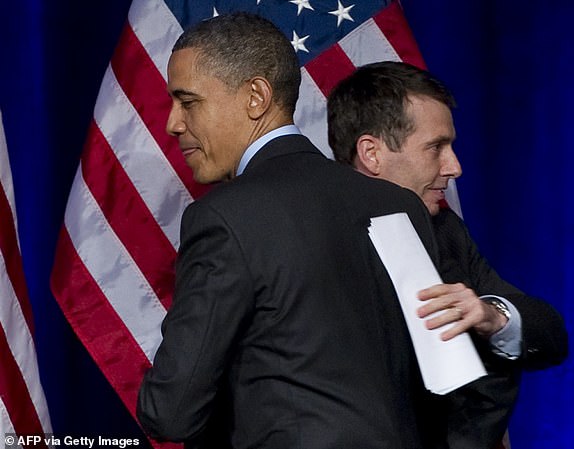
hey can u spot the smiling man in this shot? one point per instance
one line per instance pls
(393, 121)
(284, 324)
(204, 116)
(425, 161)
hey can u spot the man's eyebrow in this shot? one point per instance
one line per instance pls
(441, 140)
(179, 93)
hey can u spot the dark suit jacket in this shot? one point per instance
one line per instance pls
(282, 303)
(479, 412)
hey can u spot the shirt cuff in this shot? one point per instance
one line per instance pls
(507, 342)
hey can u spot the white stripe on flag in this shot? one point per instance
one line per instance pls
(367, 44)
(156, 28)
(6, 425)
(143, 160)
(113, 269)
(311, 113)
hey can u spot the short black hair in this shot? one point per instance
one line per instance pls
(239, 46)
(373, 101)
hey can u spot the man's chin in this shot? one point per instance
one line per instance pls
(204, 180)
(433, 208)
(199, 176)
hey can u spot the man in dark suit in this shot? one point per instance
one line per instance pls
(393, 121)
(281, 305)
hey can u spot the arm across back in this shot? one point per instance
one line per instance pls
(544, 336)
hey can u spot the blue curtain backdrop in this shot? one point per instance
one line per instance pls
(510, 65)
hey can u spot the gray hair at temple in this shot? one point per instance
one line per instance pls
(373, 100)
(240, 46)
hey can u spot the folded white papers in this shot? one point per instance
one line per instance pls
(445, 365)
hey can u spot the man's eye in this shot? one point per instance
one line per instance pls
(187, 104)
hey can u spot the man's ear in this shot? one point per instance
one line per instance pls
(260, 97)
(369, 157)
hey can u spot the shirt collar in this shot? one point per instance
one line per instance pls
(259, 143)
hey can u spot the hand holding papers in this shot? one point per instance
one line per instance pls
(445, 365)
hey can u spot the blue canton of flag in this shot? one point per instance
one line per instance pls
(311, 25)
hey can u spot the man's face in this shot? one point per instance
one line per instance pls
(426, 160)
(207, 117)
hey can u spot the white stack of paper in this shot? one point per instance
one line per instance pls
(445, 365)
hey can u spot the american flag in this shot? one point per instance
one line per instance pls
(113, 272)
(23, 408)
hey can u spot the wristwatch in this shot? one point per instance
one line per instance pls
(499, 305)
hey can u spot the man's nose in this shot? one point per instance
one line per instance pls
(175, 124)
(450, 166)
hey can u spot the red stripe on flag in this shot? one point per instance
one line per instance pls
(146, 90)
(98, 326)
(329, 68)
(13, 259)
(128, 215)
(15, 395)
(394, 26)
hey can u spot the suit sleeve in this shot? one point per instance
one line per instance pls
(213, 299)
(544, 336)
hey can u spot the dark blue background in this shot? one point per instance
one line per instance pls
(510, 65)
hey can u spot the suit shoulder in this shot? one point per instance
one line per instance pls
(448, 223)
(377, 186)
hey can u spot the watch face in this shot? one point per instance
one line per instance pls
(500, 307)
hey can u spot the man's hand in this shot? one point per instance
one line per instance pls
(459, 305)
